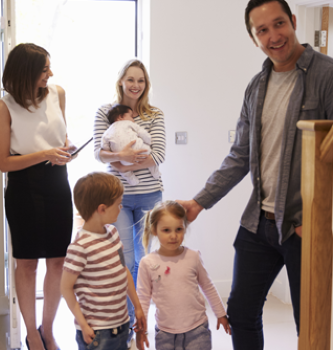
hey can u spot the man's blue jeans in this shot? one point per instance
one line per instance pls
(258, 260)
(129, 226)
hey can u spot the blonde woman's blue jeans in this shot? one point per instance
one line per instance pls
(129, 226)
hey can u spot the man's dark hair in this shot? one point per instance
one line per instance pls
(117, 111)
(252, 4)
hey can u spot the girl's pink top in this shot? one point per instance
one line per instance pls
(173, 285)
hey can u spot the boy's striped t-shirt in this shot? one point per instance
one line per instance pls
(101, 286)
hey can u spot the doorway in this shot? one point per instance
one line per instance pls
(88, 41)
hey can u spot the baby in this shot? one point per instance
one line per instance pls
(122, 131)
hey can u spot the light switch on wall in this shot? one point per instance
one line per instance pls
(232, 135)
(181, 137)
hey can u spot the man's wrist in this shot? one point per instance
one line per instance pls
(198, 205)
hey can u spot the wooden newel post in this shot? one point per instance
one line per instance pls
(316, 274)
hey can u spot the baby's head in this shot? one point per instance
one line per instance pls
(95, 189)
(120, 112)
(152, 219)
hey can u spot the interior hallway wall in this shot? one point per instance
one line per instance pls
(201, 60)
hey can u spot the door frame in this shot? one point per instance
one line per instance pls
(9, 299)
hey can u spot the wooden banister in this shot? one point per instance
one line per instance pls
(316, 274)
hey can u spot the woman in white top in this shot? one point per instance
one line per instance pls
(133, 86)
(34, 151)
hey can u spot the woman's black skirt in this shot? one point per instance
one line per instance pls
(39, 211)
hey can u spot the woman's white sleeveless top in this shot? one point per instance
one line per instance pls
(41, 129)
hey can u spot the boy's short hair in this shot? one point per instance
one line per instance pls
(94, 189)
(116, 111)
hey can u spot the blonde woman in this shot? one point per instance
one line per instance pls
(132, 87)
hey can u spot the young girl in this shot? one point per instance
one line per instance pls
(171, 276)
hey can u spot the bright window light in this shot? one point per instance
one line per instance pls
(88, 42)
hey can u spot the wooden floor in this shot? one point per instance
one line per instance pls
(279, 328)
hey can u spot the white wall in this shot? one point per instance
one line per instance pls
(330, 34)
(201, 61)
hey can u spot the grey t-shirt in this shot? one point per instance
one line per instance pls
(280, 87)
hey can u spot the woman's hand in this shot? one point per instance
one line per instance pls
(71, 148)
(128, 154)
(142, 164)
(58, 156)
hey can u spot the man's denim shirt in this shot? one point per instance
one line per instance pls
(312, 98)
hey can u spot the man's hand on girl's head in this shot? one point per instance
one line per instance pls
(192, 207)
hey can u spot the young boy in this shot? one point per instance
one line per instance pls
(121, 132)
(95, 270)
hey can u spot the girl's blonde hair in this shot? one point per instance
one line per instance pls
(152, 218)
(143, 103)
